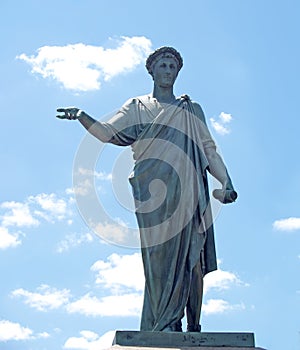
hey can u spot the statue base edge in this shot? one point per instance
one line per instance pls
(184, 340)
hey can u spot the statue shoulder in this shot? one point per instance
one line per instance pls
(134, 101)
(195, 106)
(188, 99)
(198, 109)
(142, 98)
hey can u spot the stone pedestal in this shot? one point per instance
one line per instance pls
(118, 347)
(134, 340)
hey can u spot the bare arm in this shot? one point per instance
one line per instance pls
(218, 170)
(94, 127)
(217, 167)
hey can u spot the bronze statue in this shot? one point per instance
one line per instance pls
(173, 151)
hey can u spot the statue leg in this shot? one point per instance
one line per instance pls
(193, 307)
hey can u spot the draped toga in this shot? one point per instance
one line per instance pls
(170, 189)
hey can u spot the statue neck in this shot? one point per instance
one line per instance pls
(163, 95)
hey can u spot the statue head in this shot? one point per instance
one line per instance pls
(163, 52)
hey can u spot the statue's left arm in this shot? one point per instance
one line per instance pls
(218, 170)
(216, 165)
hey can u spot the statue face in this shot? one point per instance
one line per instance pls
(165, 72)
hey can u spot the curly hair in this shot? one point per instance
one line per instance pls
(165, 51)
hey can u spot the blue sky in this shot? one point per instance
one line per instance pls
(62, 286)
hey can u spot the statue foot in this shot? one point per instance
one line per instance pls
(194, 328)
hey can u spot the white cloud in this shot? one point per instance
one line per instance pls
(18, 214)
(14, 331)
(120, 271)
(113, 232)
(221, 124)
(73, 240)
(83, 67)
(82, 188)
(225, 117)
(46, 298)
(28, 213)
(123, 276)
(31, 213)
(97, 174)
(114, 305)
(220, 280)
(7, 239)
(52, 206)
(290, 224)
(43, 335)
(90, 341)
(218, 306)
(218, 127)
(85, 185)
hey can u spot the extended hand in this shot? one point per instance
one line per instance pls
(225, 197)
(227, 194)
(70, 113)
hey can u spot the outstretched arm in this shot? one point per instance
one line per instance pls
(96, 128)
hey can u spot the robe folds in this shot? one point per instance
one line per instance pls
(170, 189)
